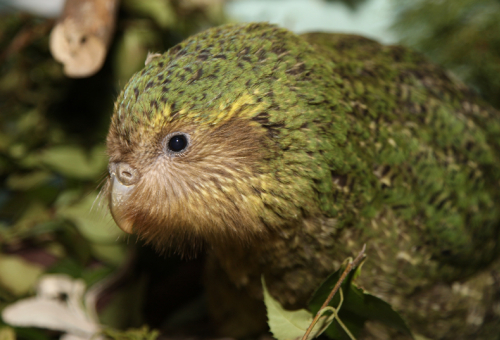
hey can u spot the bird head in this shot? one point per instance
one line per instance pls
(205, 143)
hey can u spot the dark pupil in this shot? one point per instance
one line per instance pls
(177, 143)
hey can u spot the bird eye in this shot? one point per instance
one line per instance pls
(177, 143)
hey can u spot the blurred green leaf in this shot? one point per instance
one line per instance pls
(7, 333)
(90, 274)
(143, 333)
(97, 226)
(4, 142)
(95, 274)
(68, 197)
(160, 11)
(18, 275)
(35, 214)
(112, 253)
(73, 161)
(67, 266)
(132, 49)
(462, 35)
(77, 246)
(18, 181)
(94, 224)
(11, 81)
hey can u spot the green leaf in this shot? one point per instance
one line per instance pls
(160, 11)
(35, 214)
(7, 333)
(113, 254)
(143, 333)
(358, 306)
(73, 161)
(132, 49)
(285, 325)
(97, 227)
(289, 325)
(323, 291)
(66, 266)
(77, 247)
(18, 275)
(94, 224)
(33, 179)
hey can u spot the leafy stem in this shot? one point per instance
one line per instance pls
(350, 266)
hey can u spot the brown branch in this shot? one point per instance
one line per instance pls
(82, 35)
(347, 270)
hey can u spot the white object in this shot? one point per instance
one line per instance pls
(58, 305)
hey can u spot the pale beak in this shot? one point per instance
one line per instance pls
(120, 194)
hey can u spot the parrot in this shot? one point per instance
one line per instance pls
(280, 155)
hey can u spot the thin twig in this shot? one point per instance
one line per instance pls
(336, 311)
(347, 270)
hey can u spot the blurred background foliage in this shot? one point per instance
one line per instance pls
(461, 35)
(53, 161)
(52, 148)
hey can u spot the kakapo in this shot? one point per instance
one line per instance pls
(285, 153)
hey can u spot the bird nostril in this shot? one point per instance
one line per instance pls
(126, 174)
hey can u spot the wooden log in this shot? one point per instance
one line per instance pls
(82, 35)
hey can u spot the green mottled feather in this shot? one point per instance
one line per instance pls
(365, 143)
(419, 143)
